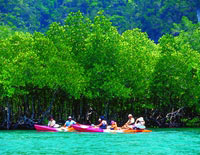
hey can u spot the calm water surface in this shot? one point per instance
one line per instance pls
(160, 141)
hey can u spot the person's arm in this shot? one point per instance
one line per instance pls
(128, 122)
(99, 124)
(116, 127)
(125, 124)
(136, 121)
(65, 124)
(53, 123)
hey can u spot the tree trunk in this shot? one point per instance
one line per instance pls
(8, 115)
(49, 108)
(106, 110)
(26, 107)
(33, 108)
(121, 107)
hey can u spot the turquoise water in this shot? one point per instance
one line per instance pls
(160, 141)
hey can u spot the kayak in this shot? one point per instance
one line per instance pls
(136, 130)
(51, 129)
(87, 128)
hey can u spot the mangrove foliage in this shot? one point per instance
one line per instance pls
(86, 68)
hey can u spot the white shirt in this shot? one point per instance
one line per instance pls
(131, 121)
(51, 123)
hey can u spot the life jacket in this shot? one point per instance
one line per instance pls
(104, 125)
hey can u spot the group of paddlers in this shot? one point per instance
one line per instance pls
(130, 124)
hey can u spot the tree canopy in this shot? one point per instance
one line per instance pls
(86, 64)
(154, 17)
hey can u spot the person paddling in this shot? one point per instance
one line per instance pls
(129, 124)
(69, 122)
(103, 123)
(113, 125)
(52, 123)
(139, 123)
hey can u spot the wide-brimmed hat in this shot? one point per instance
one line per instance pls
(130, 115)
(141, 119)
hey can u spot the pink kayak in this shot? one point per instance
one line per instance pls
(45, 128)
(87, 128)
(50, 129)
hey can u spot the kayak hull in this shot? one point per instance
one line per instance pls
(45, 128)
(136, 130)
(87, 128)
(50, 129)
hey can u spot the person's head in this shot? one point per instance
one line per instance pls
(50, 118)
(130, 116)
(101, 118)
(69, 118)
(112, 122)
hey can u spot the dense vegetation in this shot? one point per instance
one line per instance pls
(156, 17)
(86, 68)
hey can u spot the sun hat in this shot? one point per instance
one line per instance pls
(130, 115)
(69, 117)
(141, 119)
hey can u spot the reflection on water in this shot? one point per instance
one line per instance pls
(160, 141)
